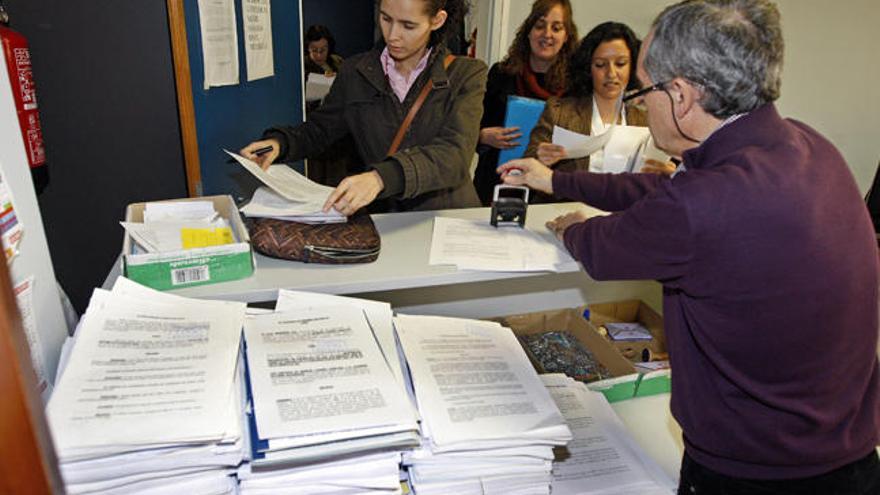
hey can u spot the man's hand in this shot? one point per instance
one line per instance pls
(549, 154)
(560, 223)
(527, 172)
(500, 137)
(265, 159)
(657, 167)
(355, 192)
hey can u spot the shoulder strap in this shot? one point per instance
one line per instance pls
(423, 95)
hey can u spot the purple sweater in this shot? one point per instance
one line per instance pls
(769, 268)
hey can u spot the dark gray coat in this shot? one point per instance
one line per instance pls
(430, 171)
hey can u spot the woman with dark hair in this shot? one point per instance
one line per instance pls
(601, 70)
(320, 51)
(536, 66)
(369, 100)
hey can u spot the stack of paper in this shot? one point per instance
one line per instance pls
(477, 245)
(179, 225)
(288, 195)
(603, 459)
(488, 423)
(151, 394)
(324, 400)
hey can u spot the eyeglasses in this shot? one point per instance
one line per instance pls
(644, 91)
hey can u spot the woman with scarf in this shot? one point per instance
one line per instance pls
(535, 67)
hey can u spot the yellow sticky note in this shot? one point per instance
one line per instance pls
(198, 238)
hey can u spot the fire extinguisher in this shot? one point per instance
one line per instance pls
(18, 63)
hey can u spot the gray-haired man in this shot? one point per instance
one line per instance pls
(766, 253)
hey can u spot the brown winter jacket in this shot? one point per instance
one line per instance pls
(430, 170)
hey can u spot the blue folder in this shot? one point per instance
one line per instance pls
(523, 113)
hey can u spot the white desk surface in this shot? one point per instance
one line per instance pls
(402, 263)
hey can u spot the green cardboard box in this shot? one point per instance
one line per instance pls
(191, 267)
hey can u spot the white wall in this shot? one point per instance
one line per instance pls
(832, 65)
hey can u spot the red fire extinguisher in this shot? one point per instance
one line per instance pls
(18, 63)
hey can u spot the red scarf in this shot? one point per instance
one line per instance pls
(527, 85)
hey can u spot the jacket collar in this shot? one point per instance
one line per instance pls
(757, 127)
(370, 67)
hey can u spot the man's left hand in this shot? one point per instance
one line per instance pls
(560, 223)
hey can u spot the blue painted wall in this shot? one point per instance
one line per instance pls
(232, 116)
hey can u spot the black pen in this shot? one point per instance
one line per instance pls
(258, 151)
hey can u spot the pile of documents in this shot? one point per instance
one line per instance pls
(477, 245)
(329, 412)
(150, 395)
(489, 425)
(602, 459)
(178, 225)
(287, 195)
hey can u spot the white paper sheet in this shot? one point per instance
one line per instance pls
(476, 245)
(11, 228)
(219, 42)
(257, 17)
(601, 459)
(621, 150)
(169, 368)
(474, 382)
(379, 316)
(265, 203)
(579, 145)
(24, 298)
(317, 86)
(320, 371)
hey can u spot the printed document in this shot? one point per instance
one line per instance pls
(602, 458)
(379, 316)
(168, 368)
(257, 20)
(474, 383)
(318, 372)
(476, 245)
(219, 42)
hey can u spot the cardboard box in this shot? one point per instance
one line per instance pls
(632, 311)
(572, 321)
(191, 267)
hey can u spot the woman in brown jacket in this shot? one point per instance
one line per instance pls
(369, 100)
(600, 71)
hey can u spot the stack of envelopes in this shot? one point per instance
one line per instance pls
(489, 424)
(150, 394)
(328, 413)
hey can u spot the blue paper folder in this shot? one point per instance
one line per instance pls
(523, 113)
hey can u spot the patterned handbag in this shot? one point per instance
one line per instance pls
(356, 241)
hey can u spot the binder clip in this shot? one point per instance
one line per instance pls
(509, 205)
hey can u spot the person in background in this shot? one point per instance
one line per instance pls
(535, 67)
(320, 51)
(760, 240)
(600, 71)
(369, 100)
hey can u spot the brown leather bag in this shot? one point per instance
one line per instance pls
(356, 241)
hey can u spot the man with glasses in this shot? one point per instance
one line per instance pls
(766, 254)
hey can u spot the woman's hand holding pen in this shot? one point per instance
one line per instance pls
(258, 152)
(500, 137)
(549, 153)
(527, 172)
(355, 192)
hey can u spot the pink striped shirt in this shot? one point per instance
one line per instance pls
(400, 84)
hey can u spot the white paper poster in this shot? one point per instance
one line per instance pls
(219, 42)
(258, 38)
(24, 299)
